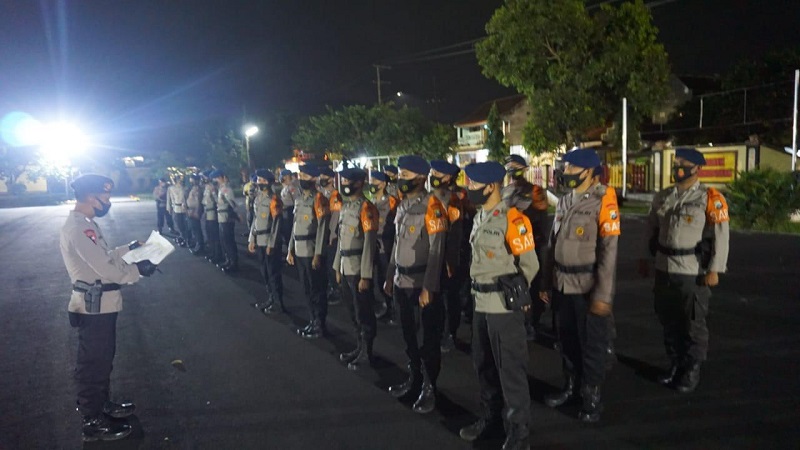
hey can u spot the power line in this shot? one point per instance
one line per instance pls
(433, 50)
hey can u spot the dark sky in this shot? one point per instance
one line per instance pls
(152, 75)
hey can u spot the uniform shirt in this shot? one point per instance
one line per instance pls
(176, 199)
(358, 231)
(266, 228)
(160, 194)
(88, 258)
(226, 204)
(310, 228)
(194, 207)
(420, 230)
(531, 199)
(502, 244)
(455, 230)
(387, 210)
(391, 188)
(680, 220)
(290, 193)
(210, 201)
(584, 235)
(335, 202)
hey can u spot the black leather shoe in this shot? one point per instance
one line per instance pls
(669, 376)
(119, 410)
(305, 329)
(101, 428)
(569, 393)
(231, 269)
(316, 331)
(346, 357)
(690, 378)
(482, 429)
(426, 402)
(410, 385)
(364, 356)
(592, 406)
(262, 305)
(516, 437)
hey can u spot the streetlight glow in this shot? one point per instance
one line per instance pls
(250, 132)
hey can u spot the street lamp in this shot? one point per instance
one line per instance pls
(248, 133)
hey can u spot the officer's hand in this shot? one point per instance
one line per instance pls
(316, 262)
(146, 268)
(526, 308)
(600, 308)
(449, 271)
(388, 286)
(712, 279)
(269, 251)
(644, 268)
(251, 247)
(338, 277)
(424, 298)
(363, 285)
(544, 296)
(290, 259)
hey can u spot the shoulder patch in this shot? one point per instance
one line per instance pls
(716, 207)
(435, 221)
(519, 232)
(91, 234)
(608, 219)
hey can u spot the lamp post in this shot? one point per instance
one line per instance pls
(248, 133)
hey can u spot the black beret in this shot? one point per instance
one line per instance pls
(583, 157)
(414, 163)
(516, 159)
(354, 174)
(380, 176)
(311, 170)
(327, 171)
(390, 169)
(92, 183)
(445, 167)
(692, 155)
(486, 172)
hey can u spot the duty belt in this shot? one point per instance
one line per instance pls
(412, 270)
(178, 204)
(306, 237)
(486, 287)
(78, 286)
(261, 232)
(351, 252)
(587, 268)
(676, 251)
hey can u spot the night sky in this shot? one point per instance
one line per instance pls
(147, 76)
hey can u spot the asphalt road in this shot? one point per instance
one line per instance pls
(249, 382)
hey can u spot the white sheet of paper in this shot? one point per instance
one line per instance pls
(155, 249)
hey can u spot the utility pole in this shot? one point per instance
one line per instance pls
(378, 81)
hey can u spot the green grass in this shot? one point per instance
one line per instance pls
(786, 227)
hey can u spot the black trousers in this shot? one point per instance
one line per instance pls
(329, 254)
(429, 354)
(314, 282)
(360, 305)
(229, 242)
(538, 308)
(97, 342)
(500, 357)
(452, 291)
(287, 214)
(212, 233)
(271, 267)
(681, 304)
(197, 233)
(381, 266)
(584, 338)
(180, 222)
(161, 215)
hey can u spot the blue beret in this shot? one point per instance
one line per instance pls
(516, 159)
(285, 172)
(390, 169)
(380, 176)
(216, 174)
(253, 177)
(414, 163)
(311, 170)
(327, 171)
(692, 155)
(92, 183)
(486, 172)
(354, 174)
(445, 167)
(206, 173)
(583, 157)
(266, 174)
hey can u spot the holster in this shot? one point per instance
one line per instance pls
(92, 295)
(515, 291)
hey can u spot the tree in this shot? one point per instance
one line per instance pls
(226, 152)
(575, 67)
(495, 139)
(15, 161)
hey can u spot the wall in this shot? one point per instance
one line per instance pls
(775, 159)
(37, 187)
(516, 120)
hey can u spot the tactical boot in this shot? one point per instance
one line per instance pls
(380, 309)
(364, 357)
(592, 406)
(569, 393)
(690, 379)
(410, 385)
(351, 355)
(482, 429)
(316, 330)
(308, 326)
(426, 402)
(516, 437)
(119, 410)
(669, 377)
(448, 343)
(101, 428)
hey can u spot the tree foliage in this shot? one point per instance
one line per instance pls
(763, 198)
(16, 161)
(226, 152)
(575, 67)
(495, 139)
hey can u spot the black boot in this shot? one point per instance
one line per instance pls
(482, 429)
(316, 331)
(426, 402)
(364, 357)
(690, 378)
(101, 428)
(351, 355)
(592, 405)
(119, 410)
(569, 393)
(516, 437)
(263, 306)
(669, 377)
(410, 385)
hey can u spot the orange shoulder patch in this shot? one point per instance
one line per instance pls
(393, 202)
(275, 206)
(369, 216)
(435, 216)
(321, 207)
(519, 232)
(608, 220)
(336, 201)
(539, 197)
(716, 207)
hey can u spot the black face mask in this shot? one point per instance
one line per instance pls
(263, 186)
(477, 196)
(438, 182)
(307, 185)
(574, 180)
(407, 186)
(102, 211)
(351, 190)
(373, 188)
(681, 173)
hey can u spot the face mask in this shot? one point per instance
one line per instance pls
(350, 190)
(517, 174)
(373, 188)
(477, 196)
(103, 210)
(681, 173)
(307, 185)
(573, 181)
(324, 183)
(437, 182)
(263, 187)
(407, 186)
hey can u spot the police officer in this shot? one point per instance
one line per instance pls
(688, 235)
(266, 240)
(249, 191)
(442, 179)
(531, 199)
(289, 192)
(391, 173)
(195, 214)
(580, 268)
(387, 209)
(354, 262)
(96, 272)
(309, 235)
(210, 194)
(328, 187)
(502, 244)
(227, 218)
(414, 278)
(160, 194)
(176, 207)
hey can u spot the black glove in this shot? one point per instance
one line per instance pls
(146, 268)
(134, 245)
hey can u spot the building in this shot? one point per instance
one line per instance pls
(471, 131)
